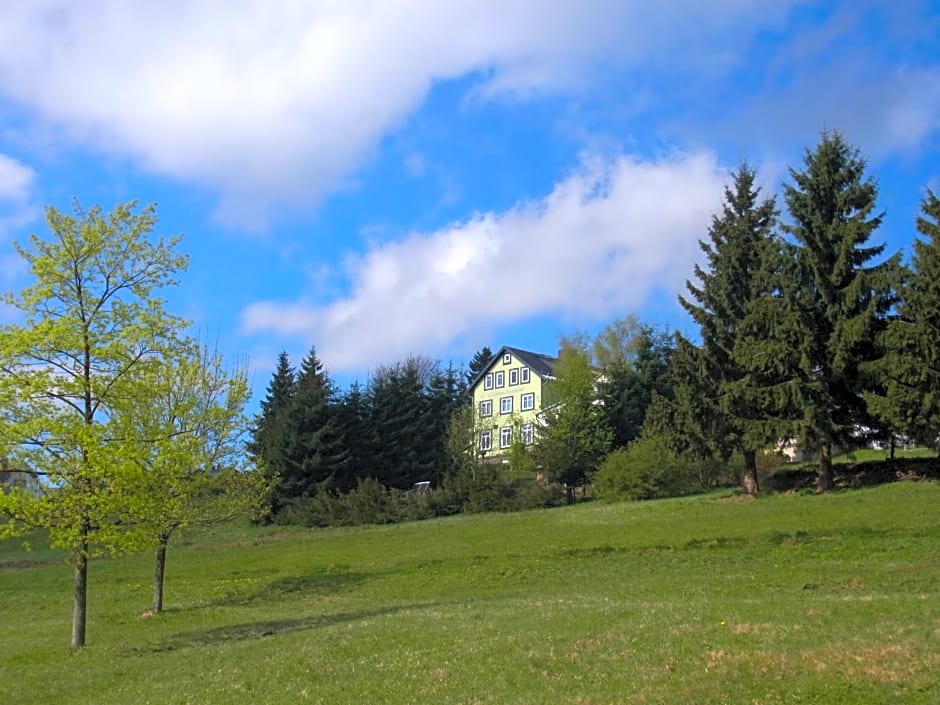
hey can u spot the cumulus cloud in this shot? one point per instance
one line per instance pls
(602, 241)
(16, 180)
(279, 102)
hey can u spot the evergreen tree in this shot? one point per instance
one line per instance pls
(401, 450)
(910, 397)
(715, 401)
(353, 422)
(837, 306)
(478, 363)
(315, 451)
(444, 391)
(634, 370)
(271, 429)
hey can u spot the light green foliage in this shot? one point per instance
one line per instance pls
(91, 319)
(647, 468)
(192, 434)
(575, 436)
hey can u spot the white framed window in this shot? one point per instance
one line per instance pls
(524, 375)
(507, 359)
(486, 440)
(527, 433)
(488, 381)
(500, 379)
(486, 407)
(513, 377)
(505, 405)
(527, 401)
(505, 436)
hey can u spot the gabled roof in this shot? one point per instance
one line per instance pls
(541, 365)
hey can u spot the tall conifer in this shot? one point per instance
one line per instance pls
(740, 252)
(838, 299)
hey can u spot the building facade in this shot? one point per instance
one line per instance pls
(508, 395)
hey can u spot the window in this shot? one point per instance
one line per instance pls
(505, 405)
(486, 407)
(528, 401)
(500, 379)
(513, 377)
(488, 381)
(486, 441)
(528, 433)
(524, 372)
(507, 359)
(505, 436)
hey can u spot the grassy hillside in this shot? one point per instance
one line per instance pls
(788, 599)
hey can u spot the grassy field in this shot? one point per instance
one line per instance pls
(792, 598)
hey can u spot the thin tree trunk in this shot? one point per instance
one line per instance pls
(824, 481)
(80, 594)
(892, 447)
(749, 479)
(158, 571)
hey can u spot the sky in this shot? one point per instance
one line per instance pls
(381, 178)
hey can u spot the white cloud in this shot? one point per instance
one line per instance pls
(601, 242)
(279, 102)
(16, 180)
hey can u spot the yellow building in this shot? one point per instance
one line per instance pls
(507, 398)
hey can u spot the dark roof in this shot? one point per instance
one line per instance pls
(542, 365)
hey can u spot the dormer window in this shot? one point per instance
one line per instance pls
(507, 359)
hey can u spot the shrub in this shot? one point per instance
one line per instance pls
(648, 468)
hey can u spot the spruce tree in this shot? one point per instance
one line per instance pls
(271, 429)
(478, 362)
(739, 253)
(910, 396)
(353, 422)
(632, 375)
(315, 451)
(399, 424)
(837, 299)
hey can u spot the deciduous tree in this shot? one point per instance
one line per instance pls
(91, 318)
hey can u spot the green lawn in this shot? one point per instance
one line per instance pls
(792, 598)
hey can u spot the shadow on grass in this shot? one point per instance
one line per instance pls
(292, 586)
(267, 628)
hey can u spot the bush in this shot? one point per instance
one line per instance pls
(648, 468)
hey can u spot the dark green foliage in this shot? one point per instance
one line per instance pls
(445, 394)
(909, 400)
(834, 302)
(403, 443)
(353, 419)
(478, 363)
(631, 379)
(315, 450)
(272, 428)
(717, 403)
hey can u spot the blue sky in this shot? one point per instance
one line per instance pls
(381, 178)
